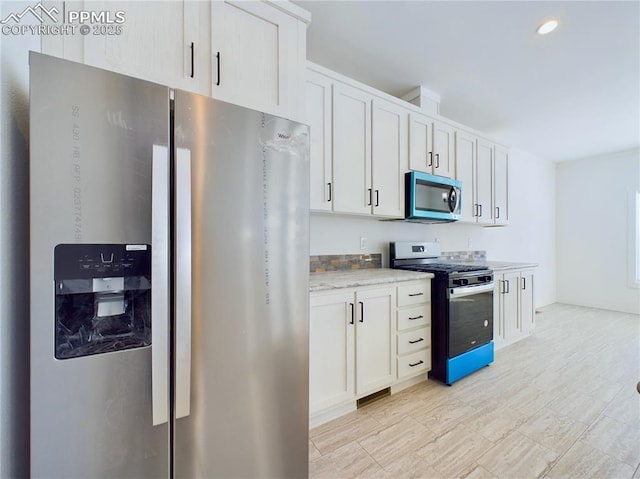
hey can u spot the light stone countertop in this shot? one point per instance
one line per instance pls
(361, 277)
(499, 266)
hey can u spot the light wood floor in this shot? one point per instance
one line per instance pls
(559, 404)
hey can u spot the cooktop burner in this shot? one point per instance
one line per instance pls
(441, 268)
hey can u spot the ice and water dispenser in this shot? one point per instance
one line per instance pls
(103, 298)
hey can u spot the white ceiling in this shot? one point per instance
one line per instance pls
(567, 95)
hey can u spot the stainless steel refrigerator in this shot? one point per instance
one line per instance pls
(169, 281)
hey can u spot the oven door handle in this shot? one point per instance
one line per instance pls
(469, 290)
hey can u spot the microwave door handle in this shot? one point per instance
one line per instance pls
(453, 200)
(160, 189)
(183, 282)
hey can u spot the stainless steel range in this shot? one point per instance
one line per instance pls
(461, 309)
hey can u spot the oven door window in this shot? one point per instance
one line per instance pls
(432, 197)
(470, 320)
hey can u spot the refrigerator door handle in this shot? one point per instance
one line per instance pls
(160, 285)
(183, 282)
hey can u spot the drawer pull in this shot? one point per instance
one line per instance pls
(416, 364)
(416, 341)
(416, 294)
(415, 317)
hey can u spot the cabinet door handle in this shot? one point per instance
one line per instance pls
(416, 364)
(479, 210)
(218, 67)
(508, 286)
(361, 311)
(353, 312)
(415, 317)
(430, 159)
(415, 294)
(193, 48)
(524, 283)
(497, 212)
(329, 185)
(503, 290)
(370, 196)
(377, 197)
(437, 160)
(416, 341)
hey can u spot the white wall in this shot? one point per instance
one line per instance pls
(592, 227)
(14, 248)
(530, 236)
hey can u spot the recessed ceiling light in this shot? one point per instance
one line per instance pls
(547, 27)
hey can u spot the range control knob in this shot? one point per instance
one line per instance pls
(461, 282)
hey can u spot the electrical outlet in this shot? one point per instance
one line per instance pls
(363, 242)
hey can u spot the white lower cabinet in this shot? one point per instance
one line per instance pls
(351, 345)
(363, 340)
(513, 307)
(375, 349)
(413, 329)
(331, 350)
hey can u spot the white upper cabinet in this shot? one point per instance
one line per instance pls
(318, 117)
(420, 143)
(166, 44)
(482, 167)
(431, 146)
(443, 159)
(251, 53)
(484, 182)
(466, 173)
(351, 150)
(256, 57)
(501, 185)
(364, 141)
(389, 158)
(359, 149)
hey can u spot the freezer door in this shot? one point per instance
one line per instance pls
(93, 264)
(248, 395)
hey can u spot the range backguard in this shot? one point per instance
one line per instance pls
(103, 298)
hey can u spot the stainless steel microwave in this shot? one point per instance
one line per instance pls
(432, 198)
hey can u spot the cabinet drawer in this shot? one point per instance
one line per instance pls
(414, 341)
(418, 362)
(415, 293)
(414, 317)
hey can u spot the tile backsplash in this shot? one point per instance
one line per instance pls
(464, 256)
(342, 262)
